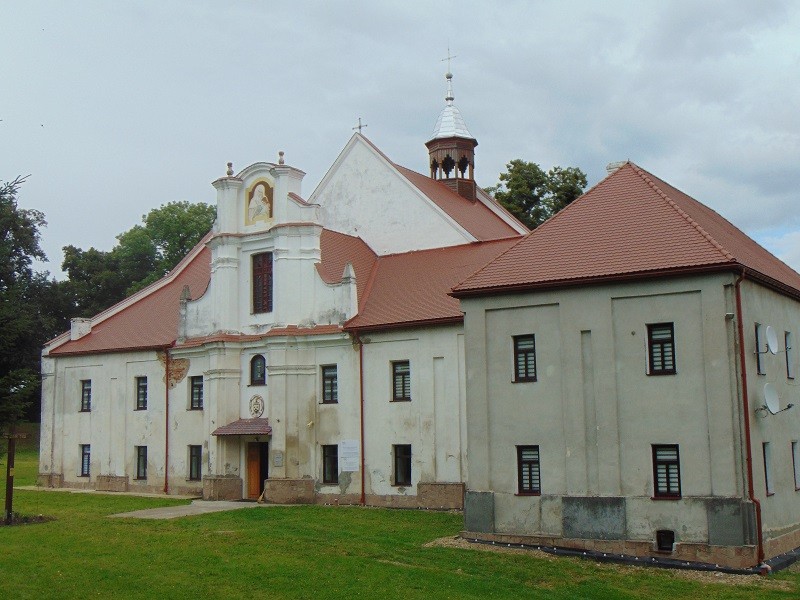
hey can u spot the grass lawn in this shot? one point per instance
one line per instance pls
(299, 552)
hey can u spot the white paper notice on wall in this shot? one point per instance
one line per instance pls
(348, 455)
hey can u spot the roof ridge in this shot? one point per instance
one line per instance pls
(464, 245)
(645, 176)
(503, 253)
(368, 287)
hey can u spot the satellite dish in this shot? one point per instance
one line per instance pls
(772, 340)
(771, 397)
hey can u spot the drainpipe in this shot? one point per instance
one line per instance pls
(746, 408)
(362, 501)
(166, 420)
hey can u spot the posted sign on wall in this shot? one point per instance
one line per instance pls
(348, 455)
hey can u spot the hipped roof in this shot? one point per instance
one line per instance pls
(630, 225)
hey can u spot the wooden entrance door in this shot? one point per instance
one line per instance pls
(257, 463)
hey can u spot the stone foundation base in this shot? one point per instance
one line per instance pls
(50, 480)
(443, 496)
(736, 557)
(112, 483)
(289, 491)
(222, 487)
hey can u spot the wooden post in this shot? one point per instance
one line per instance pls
(12, 447)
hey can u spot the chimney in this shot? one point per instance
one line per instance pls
(79, 328)
(615, 166)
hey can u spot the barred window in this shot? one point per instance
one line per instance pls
(195, 463)
(196, 383)
(402, 464)
(401, 380)
(330, 464)
(141, 462)
(661, 344)
(524, 358)
(666, 471)
(141, 393)
(529, 475)
(330, 385)
(86, 452)
(86, 395)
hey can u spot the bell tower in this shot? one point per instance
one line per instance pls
(451, 150)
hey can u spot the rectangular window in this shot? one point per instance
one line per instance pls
(787, 340)
(141, 393)
(401, 380)
(86, 395)
(330, 385)
(768, 468)
(402, 464)
(524, 358)
(759, 354)
(796, 464)
(661, 346)
(85, 459)
(141, 462)
(330, 463)
(666, 471)
(195, 463)
(262, 282)
(528, 472)
(196, 382)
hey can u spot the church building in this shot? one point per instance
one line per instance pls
(620, 380)
(306, 350)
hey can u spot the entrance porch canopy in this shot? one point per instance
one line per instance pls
(245, 427)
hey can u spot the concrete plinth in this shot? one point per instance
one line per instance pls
(222, 487)
(289, 491)
(112, 483)
(50, 480)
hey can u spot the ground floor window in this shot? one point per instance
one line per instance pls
(330, 463)
(528, 471)
(195, 463)
(141, 462)
(666, 471)
(85, 459)
(402, 464)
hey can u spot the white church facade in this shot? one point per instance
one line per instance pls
(306, 350)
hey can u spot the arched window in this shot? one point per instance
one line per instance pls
(258, 370)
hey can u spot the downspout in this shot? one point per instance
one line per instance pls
(362, 500)
(746, 408)
(166, 420)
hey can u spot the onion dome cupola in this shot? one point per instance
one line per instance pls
(451, 150)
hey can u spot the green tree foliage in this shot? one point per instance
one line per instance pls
(143, 254)
(533, 195)
(29, 306)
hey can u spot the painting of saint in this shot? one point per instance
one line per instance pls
(259, 207)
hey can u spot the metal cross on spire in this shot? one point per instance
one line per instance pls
(360, 126)
(449, 76)
(449, 58)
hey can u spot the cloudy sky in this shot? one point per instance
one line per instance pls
(114, 107)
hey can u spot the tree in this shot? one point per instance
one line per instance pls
(21, 326)
(143, 254)
(533, 195)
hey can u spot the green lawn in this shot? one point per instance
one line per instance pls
(298, 552)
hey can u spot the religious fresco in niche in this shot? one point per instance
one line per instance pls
(259, 203)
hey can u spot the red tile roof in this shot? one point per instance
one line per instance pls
(475, 217)
(631, 224)
(412, 288)
(149, 318)
(338, 249)
(245, 427)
